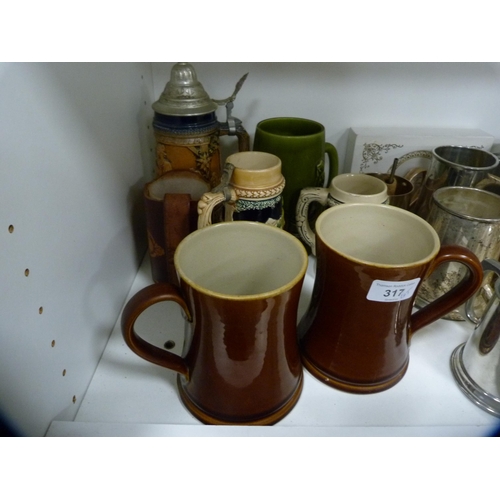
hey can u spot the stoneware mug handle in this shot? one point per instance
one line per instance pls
(209, 201)
(306, 197)
(458, 294)
(223, 192)
(143, 299)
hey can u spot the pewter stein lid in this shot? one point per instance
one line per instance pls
(184, 95)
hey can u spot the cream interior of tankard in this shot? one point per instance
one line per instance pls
(241, 259)
(378, 234)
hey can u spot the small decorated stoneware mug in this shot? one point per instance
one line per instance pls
(251, 189)
(344, 188)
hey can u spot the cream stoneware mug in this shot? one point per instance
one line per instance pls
(345, 188)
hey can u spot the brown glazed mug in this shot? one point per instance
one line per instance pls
(171, 203)
(240, 285)
(371, 259)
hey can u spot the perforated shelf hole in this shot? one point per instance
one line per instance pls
(169, 344)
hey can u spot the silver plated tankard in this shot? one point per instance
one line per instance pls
(476, 363)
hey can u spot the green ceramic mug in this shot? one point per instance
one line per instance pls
(300, 144)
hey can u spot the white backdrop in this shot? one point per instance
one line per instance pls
(344, 95)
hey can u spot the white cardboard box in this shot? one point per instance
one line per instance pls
(373, 149)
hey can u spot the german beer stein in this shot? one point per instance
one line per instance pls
(186, 128)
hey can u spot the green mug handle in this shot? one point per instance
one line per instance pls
(333, 159)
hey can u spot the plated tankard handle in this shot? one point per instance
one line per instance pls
(455, 297)
(488, 265)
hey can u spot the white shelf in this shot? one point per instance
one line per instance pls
(129, 396)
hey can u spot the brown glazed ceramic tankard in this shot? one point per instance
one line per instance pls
(371, 259)
(240, 285)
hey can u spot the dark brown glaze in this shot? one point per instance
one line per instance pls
(241, 363)
(180, 218)
(168, 221)
(362, 346)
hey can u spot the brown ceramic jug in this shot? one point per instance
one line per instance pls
(241, 362)
(371, 260)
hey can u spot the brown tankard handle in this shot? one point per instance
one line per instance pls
(455, 297)
(152, 294)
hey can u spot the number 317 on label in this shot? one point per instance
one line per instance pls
(392, 291)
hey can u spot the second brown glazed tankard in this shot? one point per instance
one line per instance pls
(240, 285)
(371, 259)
